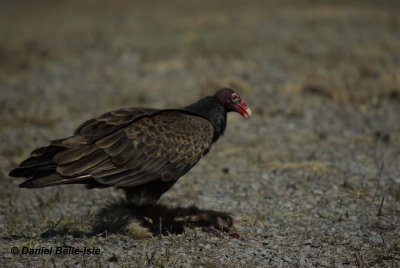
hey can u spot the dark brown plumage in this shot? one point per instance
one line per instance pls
(141, 150)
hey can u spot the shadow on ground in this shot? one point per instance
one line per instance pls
(146, 221)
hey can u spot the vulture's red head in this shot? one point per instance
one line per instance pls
(233, 102)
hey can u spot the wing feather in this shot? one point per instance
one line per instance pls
(85, 163)
(165, 146)
(74, 154)
(111, 139)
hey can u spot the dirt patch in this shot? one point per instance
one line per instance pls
(311, 180)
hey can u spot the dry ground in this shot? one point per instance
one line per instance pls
(313, 179)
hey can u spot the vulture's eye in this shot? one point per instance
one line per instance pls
(235, 98)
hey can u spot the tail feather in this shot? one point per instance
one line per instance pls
(39, 168)
(55, 179)
(30, 172)
(52, 179)
(47, 150)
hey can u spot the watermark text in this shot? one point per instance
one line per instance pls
(61, 250)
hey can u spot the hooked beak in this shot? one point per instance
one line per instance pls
(243, 109)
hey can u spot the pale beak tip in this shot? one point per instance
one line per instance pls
(247, 113)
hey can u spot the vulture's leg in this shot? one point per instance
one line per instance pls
(147, 194)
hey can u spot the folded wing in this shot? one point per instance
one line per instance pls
(124, 148)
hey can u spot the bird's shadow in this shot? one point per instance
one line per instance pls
(148, 220)
(126, 218)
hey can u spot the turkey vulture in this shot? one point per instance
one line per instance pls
(141, 150)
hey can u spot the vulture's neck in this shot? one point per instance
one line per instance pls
(212, 110)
